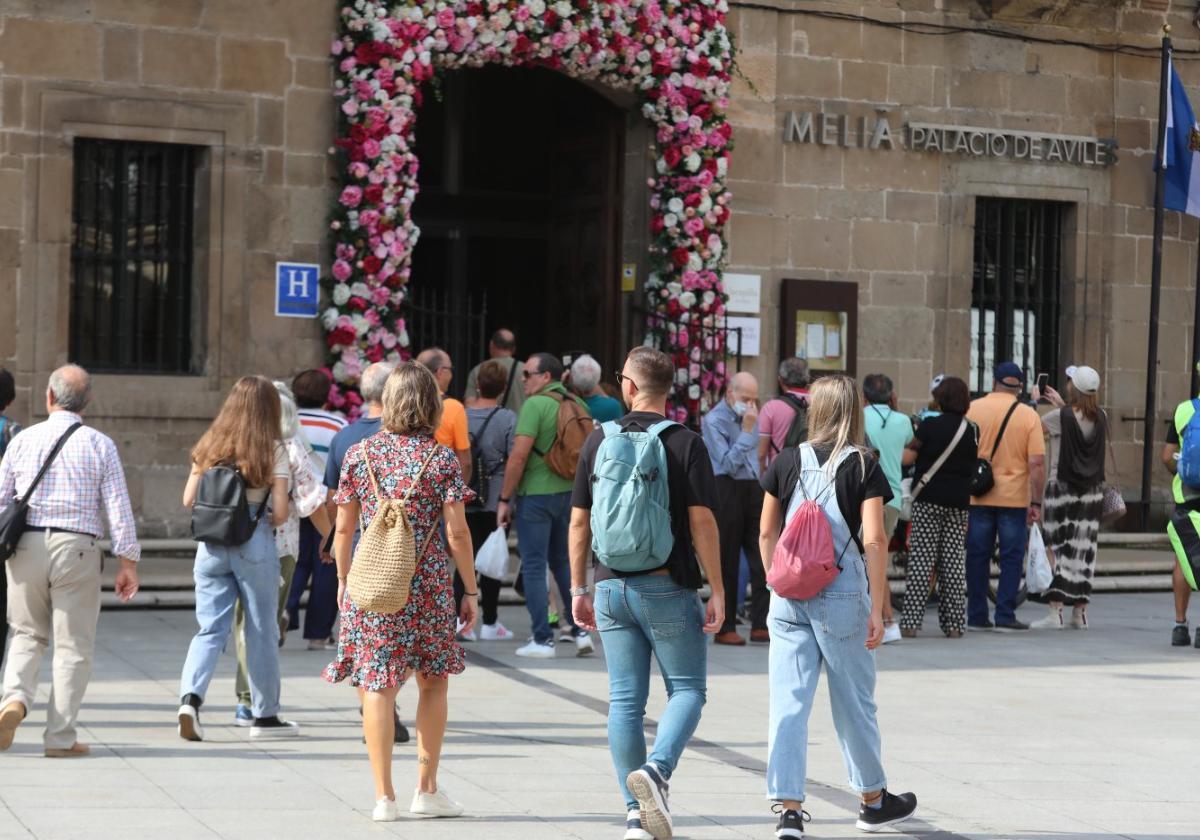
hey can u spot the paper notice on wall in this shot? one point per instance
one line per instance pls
(744, 291)
(833, 343)
(751, 334)
(815, 341)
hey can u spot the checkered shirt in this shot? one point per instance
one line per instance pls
(85, 477)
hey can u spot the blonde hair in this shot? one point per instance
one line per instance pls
(244, 433)
(412, 404)
(1088, 404)
(835, 416)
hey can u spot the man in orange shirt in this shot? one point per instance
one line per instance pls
(452, 433)
(1012, 505)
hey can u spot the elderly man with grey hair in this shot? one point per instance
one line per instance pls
(54, 575)
(730, 432)
(585, 382)
(783, 421)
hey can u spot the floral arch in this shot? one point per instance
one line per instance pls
(675, 55)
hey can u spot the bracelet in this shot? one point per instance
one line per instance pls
(1035, 504)
(505, 501)
(472, 594)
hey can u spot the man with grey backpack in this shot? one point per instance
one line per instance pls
(643, 504)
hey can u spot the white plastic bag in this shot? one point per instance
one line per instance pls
(492, 557)
(1038, 575)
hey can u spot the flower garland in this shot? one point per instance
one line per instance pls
(675, 54)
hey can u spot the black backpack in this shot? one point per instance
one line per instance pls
(221, 514)
(797, 431)
(480, 480)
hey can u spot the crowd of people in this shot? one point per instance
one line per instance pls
(621, 518)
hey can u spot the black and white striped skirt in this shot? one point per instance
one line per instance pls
(1071, 528)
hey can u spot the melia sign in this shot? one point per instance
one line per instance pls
(970, 141)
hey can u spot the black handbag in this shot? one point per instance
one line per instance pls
(12, 518)
(982, 480)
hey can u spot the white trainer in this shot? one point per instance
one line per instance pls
(189, 723)
(1052, 621)
(534, 650)
(434, 805)
(465, 633)
(633, 827)
(891, 633)
(385, 811)
(495, 632)
(583, 645)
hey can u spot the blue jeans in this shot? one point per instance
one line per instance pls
(829, 629)
(542, 523)
(223, 574)
(983, 526)
(636, 617)
(322, 607)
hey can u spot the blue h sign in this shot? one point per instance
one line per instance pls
(297, 291)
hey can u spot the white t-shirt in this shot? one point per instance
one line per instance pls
(281, 469)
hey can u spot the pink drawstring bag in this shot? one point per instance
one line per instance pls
(804, 563)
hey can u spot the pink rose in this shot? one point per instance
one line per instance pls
(371, 148)
(351, 196)
(341, 270)
(349, 107)
(381, 295)
(693, 226)
(445, 18)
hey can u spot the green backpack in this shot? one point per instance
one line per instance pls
(631, 514)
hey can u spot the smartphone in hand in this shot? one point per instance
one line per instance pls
(1043, 380)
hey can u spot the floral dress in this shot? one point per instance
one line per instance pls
(377, 650)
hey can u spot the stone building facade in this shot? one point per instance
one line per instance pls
(820, 193)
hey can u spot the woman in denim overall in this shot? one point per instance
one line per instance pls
(842, 625)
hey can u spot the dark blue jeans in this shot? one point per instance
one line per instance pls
(984, 526)
(322, 599)
(542, 523)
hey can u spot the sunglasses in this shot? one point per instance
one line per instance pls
(622, 377)
(529, 374)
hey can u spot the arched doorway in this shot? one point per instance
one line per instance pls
(520, 211)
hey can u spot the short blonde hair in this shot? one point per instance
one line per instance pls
(412, 404)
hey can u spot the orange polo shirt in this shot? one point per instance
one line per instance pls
(453, 431)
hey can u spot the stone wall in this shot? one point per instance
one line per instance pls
(900, 223)
(249, 81)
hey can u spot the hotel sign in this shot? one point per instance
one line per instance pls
(969, 141)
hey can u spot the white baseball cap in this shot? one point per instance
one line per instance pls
(937, 380)
(1084, 378)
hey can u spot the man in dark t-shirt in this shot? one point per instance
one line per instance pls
(655, 612)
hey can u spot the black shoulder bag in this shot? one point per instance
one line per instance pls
(480, 479)
(12, 518)
(982, 480)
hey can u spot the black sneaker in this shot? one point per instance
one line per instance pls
(986, 627)
(1013, 626)
(1180, 637)
(791, 823)
(401, 736)
(1197, 637)
(273, 727)
(895, 809)
(650, 789)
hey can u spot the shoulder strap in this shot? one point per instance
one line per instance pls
(791, 399)
(883, 418)
(937, 465)
(58, 445)
(1003, 426)
(486, 420)
(512, 374)
(660, 427)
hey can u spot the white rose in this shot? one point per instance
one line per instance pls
(361, 325)
(694, 392)
(694, 262)
(660, 166)
(708, 297)
(341, 294)
(722, 166)
(537, 7)
(693, 162)
(705, 205)
(329, 318)
(681, 376)
(670, 220)
(687, 300)
(675, 205)
(339, 371)
(716, 250)
(360, 289)
(563, 8)
(675, 287)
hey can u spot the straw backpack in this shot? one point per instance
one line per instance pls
(386, 558)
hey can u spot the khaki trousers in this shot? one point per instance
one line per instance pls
(53, 592)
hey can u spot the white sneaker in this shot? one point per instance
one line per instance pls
(434, 805)
(533, 650)
(1053, 621)
(891, 633)
(465, 633)
(385, 811)
(583, 645)
(633, 827)
(567, 635)
(1079, 619)
(318, 644)
(495, 632)
(189, 723)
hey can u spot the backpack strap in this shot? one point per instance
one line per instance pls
(660, 427)
(611, 428)
(421, 472)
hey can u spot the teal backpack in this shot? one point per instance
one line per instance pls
(631, 515)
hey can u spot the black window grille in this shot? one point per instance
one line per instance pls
(133, 304)
(1015, 297)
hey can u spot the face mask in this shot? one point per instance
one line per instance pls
(739, 408)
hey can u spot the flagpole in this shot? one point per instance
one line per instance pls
(1155, 280)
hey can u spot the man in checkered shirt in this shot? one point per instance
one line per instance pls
(54, 576)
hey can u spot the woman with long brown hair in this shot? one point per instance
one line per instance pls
(842, 624)
(1077, 435)
(245, 436)
(378, 652)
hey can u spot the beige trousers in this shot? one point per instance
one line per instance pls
(53, 592)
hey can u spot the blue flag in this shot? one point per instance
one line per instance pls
(1181, 152)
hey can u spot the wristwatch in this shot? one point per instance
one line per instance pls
(504, 500)
(580, 590)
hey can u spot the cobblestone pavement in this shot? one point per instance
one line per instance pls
(1057, 736)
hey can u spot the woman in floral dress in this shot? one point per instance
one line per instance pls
(377, 652)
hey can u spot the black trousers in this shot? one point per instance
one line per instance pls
(481, 523)
(741, 503)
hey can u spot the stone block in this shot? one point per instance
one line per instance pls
(864, 81)
(906, 290)
(882, 170)
(305, 170)
(318, 73)
(809, 163)
(891, 333)
(8, 316)
(122, 54)
(1087, 97)
(824, 37)
(755, 197)
(307, 25)
(1039, 94)
(1133, 180)
(800, 76)
(1134, 134)
(268, 121)
(983, 52)
(178, 59)
(255, 65)
(309, 120)
(1076, 63)
(272, 167)
(882, 246)
(10, 248)
(54, 49)
(12, 199)
(818, 243)
(923, 50)
(930, 254)
(759, 156)
(882, 44)
(760, 71)
(983, 90)
(756, 30)
(12, 96)
(1121, 264)
(799, 202)
(850, 204)
(1137, 68)
(181, 14)
(911, 85)
(267, 215)
(309, 210)
(1135, 99)
(751, 239)
(905, 206)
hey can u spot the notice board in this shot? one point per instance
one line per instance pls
(819, 323)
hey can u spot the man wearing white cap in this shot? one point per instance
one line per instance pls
(1184, 525)
(1077, 434)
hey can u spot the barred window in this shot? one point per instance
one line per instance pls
(1015, 302)
(134, 305)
